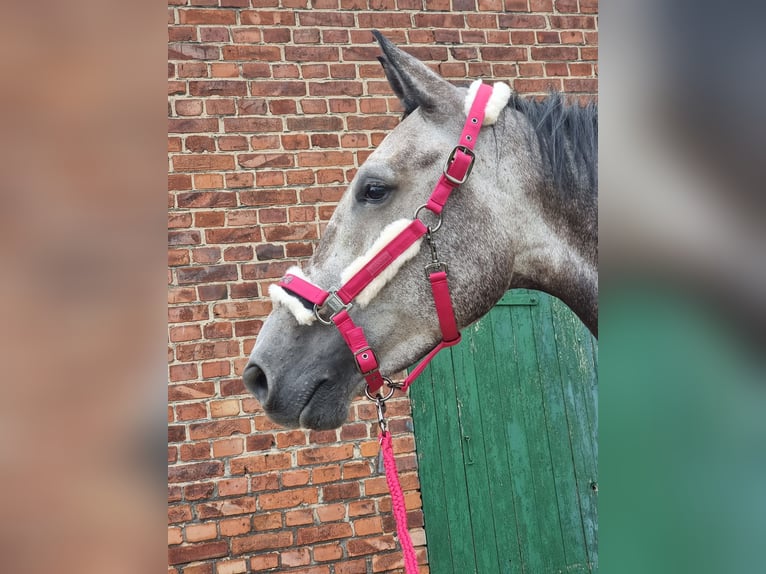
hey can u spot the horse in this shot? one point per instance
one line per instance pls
(525, 218)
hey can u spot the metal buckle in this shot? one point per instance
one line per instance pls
(436, 266)
(358, 368)
(465, 150)
(335, 305)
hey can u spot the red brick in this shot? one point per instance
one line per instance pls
(177, 257)
(573, 22)
(206, 88)
(320, 18)
(195, 471)
(192, 52)
(215, 369)
(190, 391)
(266, 270)
(252, 125)
(324, 532)
(256, 542)
(176, 433)
(331, 513)
(299, 250)
(204, 162)
(219, 106)
(299, 517)
(191, 411)
(208, 180)
(179, 513)
(206, 255)
(260, 463)
(267, 521)
(232, 143)
(264, 562)
(242, 309)
(183, 372)
(198, 569)
(341, 491)
(259, 442)
(185, 237)
(351, 567)
(521, 21)
(197, 451)
(234, 526)
(206, 273)
(372, 545)
(265, 482)
(226, 235)
(328, 552)
(218, 429)
(295, 557)
(238, 253)
(325, 454)
(226, 507)
(288, 498)
(267, 17)
(315, 124)
(295, 478)
(207, 199)
(207, 16)
(279, 88)
(261, 160)
(193, 552)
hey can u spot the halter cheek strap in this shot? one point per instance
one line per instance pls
(332, 307)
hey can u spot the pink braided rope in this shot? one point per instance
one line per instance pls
(397, 502)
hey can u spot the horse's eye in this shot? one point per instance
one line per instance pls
(375, 192)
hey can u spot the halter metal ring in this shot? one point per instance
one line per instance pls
(376, 398)
(438, 222)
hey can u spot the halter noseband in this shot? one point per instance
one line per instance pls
(332, 307)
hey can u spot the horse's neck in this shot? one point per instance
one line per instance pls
(555, 242)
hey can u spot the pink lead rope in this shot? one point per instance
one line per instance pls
(332, 308)
(397, 504)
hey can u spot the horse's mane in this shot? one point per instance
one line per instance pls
(568, 136)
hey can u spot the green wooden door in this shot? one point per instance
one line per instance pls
(505, 427)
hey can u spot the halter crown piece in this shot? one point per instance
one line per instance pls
(399, 242)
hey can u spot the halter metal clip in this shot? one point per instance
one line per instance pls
(467, 151)
(380, 404)
(334, 305)
(435, 265)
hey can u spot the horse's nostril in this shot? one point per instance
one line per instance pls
(255, 381)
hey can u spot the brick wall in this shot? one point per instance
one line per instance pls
(273, 105)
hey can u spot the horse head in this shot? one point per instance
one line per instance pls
(492, 235)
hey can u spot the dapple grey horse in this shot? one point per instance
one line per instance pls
(525, 218)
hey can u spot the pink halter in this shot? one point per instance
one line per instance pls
(332, 307)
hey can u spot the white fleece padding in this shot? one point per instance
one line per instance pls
(501, 93)
(281, 297)
(388, 233)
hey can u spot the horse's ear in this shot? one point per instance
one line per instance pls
(413, 82)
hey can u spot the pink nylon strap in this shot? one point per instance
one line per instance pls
(462, 161)
(301, 287)
(365, 358)
(444, 309)
(409, 235)
(446, 314)
(397, 504)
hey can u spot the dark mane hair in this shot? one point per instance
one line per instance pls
(568, 137)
